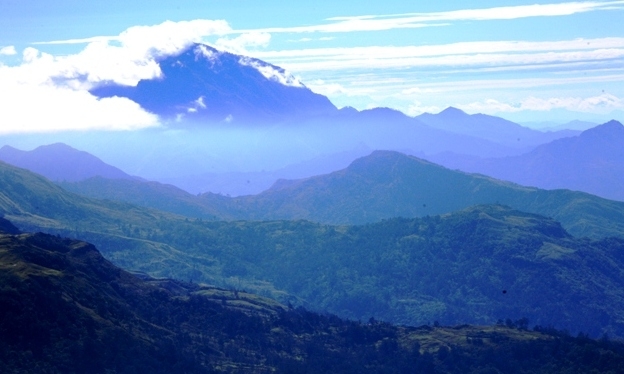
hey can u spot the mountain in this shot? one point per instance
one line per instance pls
(495, 129)
(60, 162)
(202, 84)
(592, 162)
(31, 199)
(33, 203)
(353, 270)
(386, 128)
(390, 184)
(451, 268)
(155, 195)
(382, 185)
(65, 309)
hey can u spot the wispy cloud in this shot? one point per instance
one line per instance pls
(517, 83)
(243, 42)
(418, 108)
(419, 20)
(165, 36)
(468, 54)
(326, 88)
(602, 103)
(306, 40)
(197, 29)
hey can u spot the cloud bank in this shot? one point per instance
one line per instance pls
(50, 93)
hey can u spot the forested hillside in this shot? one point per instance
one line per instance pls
(64, 309)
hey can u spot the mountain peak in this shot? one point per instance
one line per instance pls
(608, 129)
(60, 162)
(385, 159)
(452, 112)
(202, 83)
(611, 125)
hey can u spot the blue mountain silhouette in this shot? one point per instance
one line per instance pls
(204, 84)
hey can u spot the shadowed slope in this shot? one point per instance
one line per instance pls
(63, 308)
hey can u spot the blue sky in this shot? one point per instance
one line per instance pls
(522, 60)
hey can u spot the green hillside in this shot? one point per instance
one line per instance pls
(380, 186)
(390, 184)
(34, 203)
(65, 309)
(30, 199)
(450, 268)
(155, 195)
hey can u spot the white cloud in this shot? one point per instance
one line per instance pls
(8, 51)
(324, 88)
(417, 20)
(417, 90)
(131, 58)
(487, 54)
(460, 48)
(518, 83)
(604, 103)
(28, 108)
(272, 72)
(166, 37)
(418, 108)
(243, 42)
(50, 93)
(200, 102)
(197, 105)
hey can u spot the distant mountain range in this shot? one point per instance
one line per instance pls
(592, 162)
(495, 129)
(382, 185)
(60, 162)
